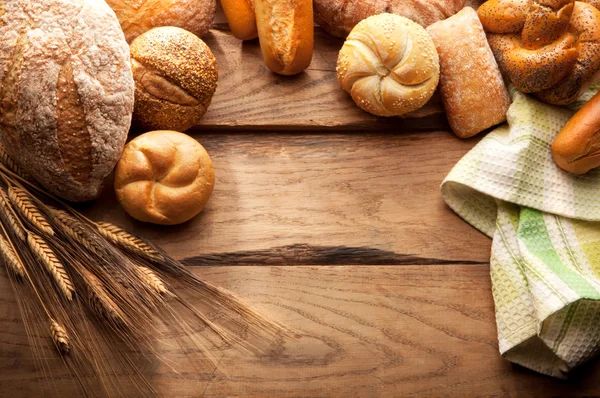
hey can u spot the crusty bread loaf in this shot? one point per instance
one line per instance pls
(471, 85)
(339, 17)
(388, 65)
(66, 92)
(164, 177)
(576, 149)
(286, 34)
(547, 47)
(241, 18)
(175, 77)
(139, 16)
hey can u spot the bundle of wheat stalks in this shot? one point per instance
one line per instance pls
(103, 296)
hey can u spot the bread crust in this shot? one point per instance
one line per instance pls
(164, 177)
(241, 18)
(339, 17)
(286, 34)
(139, 16)
(66, 92)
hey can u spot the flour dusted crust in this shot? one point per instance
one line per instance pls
(139, 16)
(66, 92)
(338, 17)
(471, 85)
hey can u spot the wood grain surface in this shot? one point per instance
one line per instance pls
(380, 331)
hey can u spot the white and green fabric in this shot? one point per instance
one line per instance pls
(545, 225)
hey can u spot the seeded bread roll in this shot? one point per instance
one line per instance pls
(471, 85)
(66, 92)
(388, 65)
(139, 16)
(164, 177)
(175, 77)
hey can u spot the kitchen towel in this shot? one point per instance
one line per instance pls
(545, 226)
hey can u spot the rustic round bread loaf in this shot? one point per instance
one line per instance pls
(548, 48)
(338, 17)
(389, 65)
(66, 92)
(139, 16)
(164, 177)
(175, 77)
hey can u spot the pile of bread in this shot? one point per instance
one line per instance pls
(74, 74)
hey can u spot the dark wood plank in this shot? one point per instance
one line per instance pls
(363, 332)
(377, 191)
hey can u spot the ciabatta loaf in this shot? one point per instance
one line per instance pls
(66, 92)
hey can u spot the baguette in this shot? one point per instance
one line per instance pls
(241, 18)
(285, 32)
(576, 149)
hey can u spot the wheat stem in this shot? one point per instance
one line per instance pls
(60, 337)
(39, 247)
(11, 259)
(22, 201)
(127, 241)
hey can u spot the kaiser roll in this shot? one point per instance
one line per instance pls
(550, 48)
(164, 177)
(139, 16)
(66, 92)
(389, 65)
(175, 77)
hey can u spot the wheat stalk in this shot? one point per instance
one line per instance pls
(60, 337)
(153, 280)
(22, 201)
(8, 217)
(74, 229)
(39, 247)
(127, 241)
(10, 164)
(11, 259)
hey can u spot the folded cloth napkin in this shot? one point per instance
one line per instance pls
(545, 226)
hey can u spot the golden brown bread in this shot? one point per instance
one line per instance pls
(175, 77)
(389, 65)
(164, 177)
(139, 16)
(471, 85)
(66, 92)
(241, 18)
(286, 34)
(576, 149)
(547, 47)
(339, 17)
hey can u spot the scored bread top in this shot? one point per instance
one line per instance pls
(66, 92)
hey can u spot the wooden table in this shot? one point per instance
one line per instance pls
(330, 220)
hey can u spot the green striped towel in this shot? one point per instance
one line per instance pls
(545, 226)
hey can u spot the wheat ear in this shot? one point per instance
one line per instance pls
(153, 280)
(11, 259)
(8, 217)
(22, 201)
(127, 241)
(10, 164)
(60, 337)
(74, 229)
(99, 300)
(41, 250)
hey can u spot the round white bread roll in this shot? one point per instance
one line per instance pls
(389, 65)
(164, 177)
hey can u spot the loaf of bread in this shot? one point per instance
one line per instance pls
(66, 92)
(286, 34)
(576, 149)
(339, 17)
(388, 65)
(548, 48)
(139, 16)
(175, 77)
(164, 177)
(241, 18)
(474, 94)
